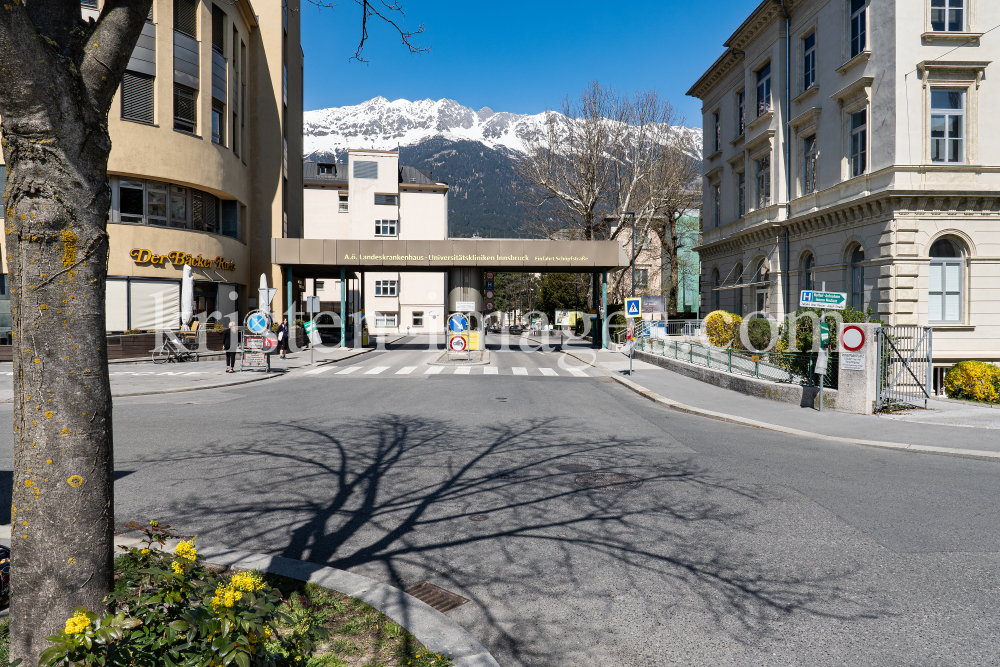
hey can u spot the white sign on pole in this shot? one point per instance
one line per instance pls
(312, 304)
(465, 306)
(852, 361)
(824, 300)
(822, 359)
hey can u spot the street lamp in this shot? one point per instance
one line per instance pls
(632, 214)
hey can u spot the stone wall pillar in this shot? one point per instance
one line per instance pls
(858, 369)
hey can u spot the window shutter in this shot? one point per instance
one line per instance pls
(218, 23)
(137, 97)
(186, 17)
(365, 169)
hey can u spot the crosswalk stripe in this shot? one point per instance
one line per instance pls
(376, 370)
(463, 370)
(406, 370)
(520, 370)
(549, 371)
(348, 371)
(317, 371)
(434, 370)
(579, 372)
(491, 370)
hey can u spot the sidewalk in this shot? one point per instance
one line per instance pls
(947, 426)
(143, 378)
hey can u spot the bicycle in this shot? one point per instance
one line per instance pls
(173, 350)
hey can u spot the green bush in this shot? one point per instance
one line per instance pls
(804, 327)
(167, 609)
(973, 380)
(758, 335)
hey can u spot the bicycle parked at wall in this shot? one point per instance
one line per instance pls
(173, 350)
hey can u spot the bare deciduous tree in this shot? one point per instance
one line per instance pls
(59, 76)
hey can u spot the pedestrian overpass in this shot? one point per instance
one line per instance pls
(330, 258)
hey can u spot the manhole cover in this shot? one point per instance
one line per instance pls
(574, 467)
(436, 596)
(608, 481)
(478, 517)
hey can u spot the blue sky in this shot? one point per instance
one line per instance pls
(519, 56)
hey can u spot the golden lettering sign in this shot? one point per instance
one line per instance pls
(178, 258)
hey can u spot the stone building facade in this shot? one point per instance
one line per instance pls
(850, 142)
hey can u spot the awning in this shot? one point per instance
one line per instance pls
(741, 285)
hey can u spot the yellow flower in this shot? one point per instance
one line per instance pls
(247, 581)
(186, 551)
(178, 567)
(154, 524)
(267, 633)
(77, 624)
(144, 551)
(226, 596)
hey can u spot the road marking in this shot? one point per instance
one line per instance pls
(579, 372)
(463, 370)
(406, 370)
(434, 370)
(549, 371)
(317, 371)
(491, 370)
(520, 370)
(347, 371)
(376, 370)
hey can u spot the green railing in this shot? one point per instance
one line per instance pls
(787, 367)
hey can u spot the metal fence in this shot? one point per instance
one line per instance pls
(785, 367)
(906, 366)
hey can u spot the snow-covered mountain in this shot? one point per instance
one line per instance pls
(384, 125)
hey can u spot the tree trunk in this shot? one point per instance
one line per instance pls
(672, 300)
(57, 92)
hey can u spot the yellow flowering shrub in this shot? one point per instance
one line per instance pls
(78, 623)
(973, 380)
(722, 328)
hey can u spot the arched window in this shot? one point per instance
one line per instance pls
(944, 298)
(715, 290)
(739, 290)
(857, 279)
(760, 288)
(808, 267)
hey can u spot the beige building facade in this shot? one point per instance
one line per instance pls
(851, 143)
(208, 110)
(372, 198)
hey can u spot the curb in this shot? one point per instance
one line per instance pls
(744, 421)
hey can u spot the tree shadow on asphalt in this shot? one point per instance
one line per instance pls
(397, 495)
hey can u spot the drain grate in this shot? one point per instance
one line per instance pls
(608, 481)
(436, 596)
(573, 467)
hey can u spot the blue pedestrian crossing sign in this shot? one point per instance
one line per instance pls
(633, 307)
(457, 323)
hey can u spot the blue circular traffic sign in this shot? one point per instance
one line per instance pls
(257, 323)
(458, 323)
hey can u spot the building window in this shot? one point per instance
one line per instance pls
(365, 169)
(641, 277)
(218, 122)
(385, 319)
(760, 287)
(741, 112)
(718, 131)
(859, 142)
(944, 299)
(715, 289)
(386, 287)
(328, 169)
(185, 108)
(320, 284)
(385, 227)
(741, 194)
(131, 201)
(764, 89)
(156, 203)
(763, 167)
(418, 318)
(948, 15)
(716, 206)
(344, 204)
(387, 200)
(808, 267)
(178, 206)
(809, 61)
(859, 27)
(137, 97)
(186, 17)
(948, 126)
(218, 29)
(811, 161)
(739, 290)
(857, 279)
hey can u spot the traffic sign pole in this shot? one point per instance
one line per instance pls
(822, 378)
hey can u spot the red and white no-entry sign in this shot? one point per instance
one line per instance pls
(853, 338)
(458, 343)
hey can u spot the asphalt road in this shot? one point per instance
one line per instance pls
(741, 547)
